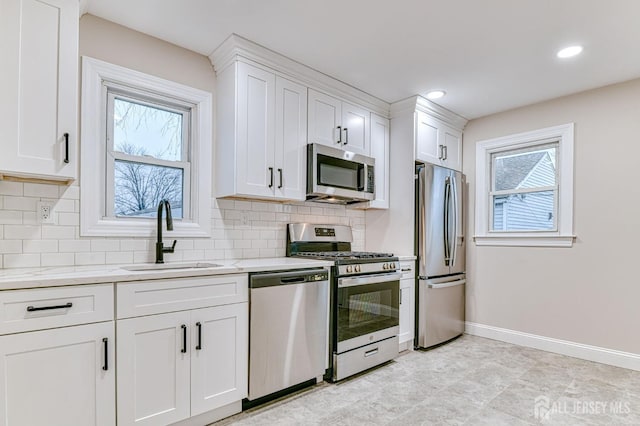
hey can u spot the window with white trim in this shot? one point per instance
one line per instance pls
(524, 190)
(145, 139)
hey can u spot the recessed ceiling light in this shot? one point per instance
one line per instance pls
(570, 51)
(436, 94)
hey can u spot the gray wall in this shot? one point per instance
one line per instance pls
(589, 293)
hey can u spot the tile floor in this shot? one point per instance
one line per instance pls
(470, 381)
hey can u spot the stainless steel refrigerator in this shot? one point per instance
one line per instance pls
(440, 248)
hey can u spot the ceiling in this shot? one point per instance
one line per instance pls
(488, 55)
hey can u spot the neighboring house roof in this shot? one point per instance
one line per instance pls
(511, 171)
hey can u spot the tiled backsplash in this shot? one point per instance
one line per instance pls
(239, 229)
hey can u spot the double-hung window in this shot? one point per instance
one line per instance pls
(145, 139)
(524, 191)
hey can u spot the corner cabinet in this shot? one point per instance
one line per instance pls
(182, 349)
(57, 356)
(437, 142)
(380, 151)
(261, 134)
(338, 124)
(39, 85)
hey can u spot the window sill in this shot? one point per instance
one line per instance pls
(136, 228)
(525, 240)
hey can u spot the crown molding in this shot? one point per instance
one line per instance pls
(418, 103)
(237, 48)
(84, 6)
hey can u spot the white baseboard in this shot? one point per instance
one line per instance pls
(563, 347)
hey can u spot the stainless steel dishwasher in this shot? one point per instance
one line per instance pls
(288, 329)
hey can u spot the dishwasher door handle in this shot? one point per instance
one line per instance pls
(292, 280)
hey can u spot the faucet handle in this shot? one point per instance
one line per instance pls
(170, 249)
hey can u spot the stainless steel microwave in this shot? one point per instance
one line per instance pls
(337, 176)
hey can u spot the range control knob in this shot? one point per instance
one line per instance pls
(349, 269)
(385, 266)
(357, 267)
(392, 266)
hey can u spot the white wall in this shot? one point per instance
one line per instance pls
(25, 243)
(589, 293)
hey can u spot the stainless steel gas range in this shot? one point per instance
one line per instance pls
(365, 289)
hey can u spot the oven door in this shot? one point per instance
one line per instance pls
(367, 310)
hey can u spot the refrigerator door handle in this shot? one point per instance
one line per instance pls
(449, 284)
(445, 234)
(456, 213)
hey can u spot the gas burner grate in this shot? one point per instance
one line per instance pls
(345, 254)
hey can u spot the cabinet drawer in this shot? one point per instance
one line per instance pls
(158, 296)
(36, 309)
(407, 268)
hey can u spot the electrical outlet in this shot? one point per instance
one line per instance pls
(44, 212)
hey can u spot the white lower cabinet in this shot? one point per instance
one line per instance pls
(59, 377)
(173, 366)
(407, 305)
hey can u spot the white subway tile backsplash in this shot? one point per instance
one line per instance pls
(57, 259)
(118, 257)
(22, 232)
(19, 203)
(40, 246)
(10, 217)
(90, 258)
(239, 229)
(68, 219)
(11, 188)
(105, 245)
(11, 246)
(57, 232)
(40, 190)
(73, 246)
(21, 260)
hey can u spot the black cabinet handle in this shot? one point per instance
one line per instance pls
(66, 147)
(184, 339)
(339, 134)
(47, 308)
(280, 172)
(105, 342)
(346, 136)
(199, 345)
(271, 182)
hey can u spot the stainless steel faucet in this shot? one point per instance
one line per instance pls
(160, 248)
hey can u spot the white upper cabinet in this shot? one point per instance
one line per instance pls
(262, 126)
(338, 124)
(39, 84)
(437, 143)
(380, 151)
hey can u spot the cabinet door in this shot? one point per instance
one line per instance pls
(219, 356)
(428, 145)
(355, 129)
(407, 310)
(452, 140)
(56, 377)
(39, 80)
(153, 372)
(325, 115)
(380, 151)
(256, 174)
(291, 140)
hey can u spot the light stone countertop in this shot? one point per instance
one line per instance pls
(11, 279)
(405, 258)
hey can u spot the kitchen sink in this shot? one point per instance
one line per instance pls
(167, 266)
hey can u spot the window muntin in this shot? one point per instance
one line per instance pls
(148, 141)
(524, 188)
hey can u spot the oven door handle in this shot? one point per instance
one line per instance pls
(371, 279)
